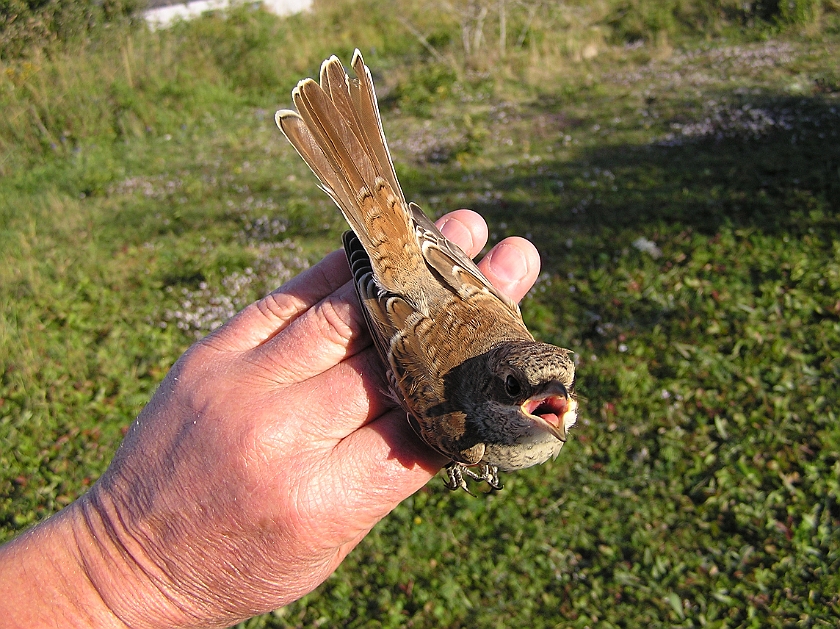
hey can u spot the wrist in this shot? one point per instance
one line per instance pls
(80, 569)
(132, 586)
(44, 582)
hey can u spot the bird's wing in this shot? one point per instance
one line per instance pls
(454, 267)
(393, 325)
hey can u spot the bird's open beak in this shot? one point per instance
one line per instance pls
(550, 409)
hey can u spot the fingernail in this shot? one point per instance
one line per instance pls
(455, 231)
(508, 263)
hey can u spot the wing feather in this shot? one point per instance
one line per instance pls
(450, 262)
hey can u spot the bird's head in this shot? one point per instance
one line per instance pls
(539, 380)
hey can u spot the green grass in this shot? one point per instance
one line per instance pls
(683, 193)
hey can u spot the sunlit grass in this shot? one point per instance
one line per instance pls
(683, 195)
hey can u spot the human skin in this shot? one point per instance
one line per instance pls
(268, 452)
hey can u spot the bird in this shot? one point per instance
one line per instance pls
(475, 384)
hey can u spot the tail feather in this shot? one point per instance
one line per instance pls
(336, 138)
(367, 107)
(338, 133)
(355, 100)
(298, 134)
(336, 84)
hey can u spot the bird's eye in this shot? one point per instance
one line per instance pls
(512, 386)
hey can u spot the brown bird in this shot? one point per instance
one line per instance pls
(476, 385)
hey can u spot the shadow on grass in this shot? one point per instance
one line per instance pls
(770, 163)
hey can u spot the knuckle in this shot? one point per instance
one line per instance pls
(337, 321)
(280, 306)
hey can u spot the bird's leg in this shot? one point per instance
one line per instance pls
(457, 471)
(488, 473)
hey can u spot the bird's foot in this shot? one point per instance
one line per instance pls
(456, 473)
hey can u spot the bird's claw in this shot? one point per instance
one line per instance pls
(457, 471)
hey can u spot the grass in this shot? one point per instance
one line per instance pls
(683, 193)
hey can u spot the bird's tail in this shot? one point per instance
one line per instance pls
(338, 133)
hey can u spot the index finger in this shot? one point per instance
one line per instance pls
(264, 319)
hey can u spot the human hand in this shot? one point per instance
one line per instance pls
(269, 451)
